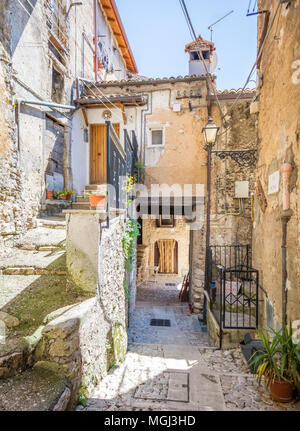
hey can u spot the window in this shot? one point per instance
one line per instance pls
(195, 55)
(57, 86)
(165, 221)
(156, 137)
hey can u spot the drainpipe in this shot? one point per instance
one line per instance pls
(145, 122)
(95, 40)
(286, 169)
(49, 104)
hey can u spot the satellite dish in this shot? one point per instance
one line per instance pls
(214, 62)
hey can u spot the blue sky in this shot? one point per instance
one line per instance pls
(158, 33)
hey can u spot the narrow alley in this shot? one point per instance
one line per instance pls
(149, 206)
(174, 368)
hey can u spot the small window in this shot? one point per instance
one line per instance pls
(57, 86)
(156, 137)
(195, 55)
(165, 221)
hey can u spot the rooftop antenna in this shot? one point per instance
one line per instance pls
(212, 25)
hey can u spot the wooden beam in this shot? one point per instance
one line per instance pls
(85, 117)
(121, 106)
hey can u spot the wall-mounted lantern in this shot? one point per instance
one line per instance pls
(210, 132)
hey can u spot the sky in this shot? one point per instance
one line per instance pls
(157, 33)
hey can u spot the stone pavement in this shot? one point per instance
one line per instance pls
(174, 368)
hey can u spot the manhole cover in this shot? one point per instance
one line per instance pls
(167, 386)
(160, 322)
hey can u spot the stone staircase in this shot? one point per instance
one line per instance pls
(142, 258)
(82, 201)
(33, 285)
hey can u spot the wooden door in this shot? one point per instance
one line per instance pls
(98, 154)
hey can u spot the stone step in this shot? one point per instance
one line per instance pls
(42, 237)
(27, 262)
(82, 199)
(96, 187)
(29, 270)
(40, 388)
(52, 222)
(81, 206)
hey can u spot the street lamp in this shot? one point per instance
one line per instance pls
(210, 132)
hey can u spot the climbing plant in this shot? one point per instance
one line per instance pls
(130, 234)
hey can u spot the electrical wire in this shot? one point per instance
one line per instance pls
(100, 100)
(72, 38)
(257, 59)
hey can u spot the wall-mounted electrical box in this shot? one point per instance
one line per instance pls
(177, 107)
(242, 189)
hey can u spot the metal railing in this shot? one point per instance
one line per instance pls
(116, 169)
(119, 163)
(233, 287)
(131, 152)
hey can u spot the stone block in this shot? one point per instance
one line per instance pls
(61, 329)
(10, 321)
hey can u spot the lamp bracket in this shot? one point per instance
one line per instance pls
(242, 157)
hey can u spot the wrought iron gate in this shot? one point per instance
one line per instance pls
(233, 287)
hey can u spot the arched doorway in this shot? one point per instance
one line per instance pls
(166, 256)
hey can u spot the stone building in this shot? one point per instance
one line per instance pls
(45, 46)
(276, 201)
(169, 126)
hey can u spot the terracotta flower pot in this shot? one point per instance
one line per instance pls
(96, 200)
(281, 391)
(49, 194)
(68, 197)
(63, 197)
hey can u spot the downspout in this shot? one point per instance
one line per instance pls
(145, 115)
(286, 169)
(95, 41)
(49, 104)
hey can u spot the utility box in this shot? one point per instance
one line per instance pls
(176, 107)
(242, 189)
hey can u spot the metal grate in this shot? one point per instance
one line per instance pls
(160, 322)
(170, 284)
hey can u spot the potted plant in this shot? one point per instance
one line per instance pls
(49, 193)
(64, 194)
(279, 363)
(96, 200)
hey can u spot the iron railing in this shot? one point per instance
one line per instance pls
(116, 169)
(233, 287)
(131, 152)
(119, 163)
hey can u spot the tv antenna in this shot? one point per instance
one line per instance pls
(212, 25)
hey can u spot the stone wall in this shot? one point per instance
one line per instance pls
(152, 233)
(230, 217)
(95, 262)
(278, 106)
(32, 67)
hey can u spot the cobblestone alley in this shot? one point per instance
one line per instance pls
(174, 367)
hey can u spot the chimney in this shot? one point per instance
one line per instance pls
(207, 48)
